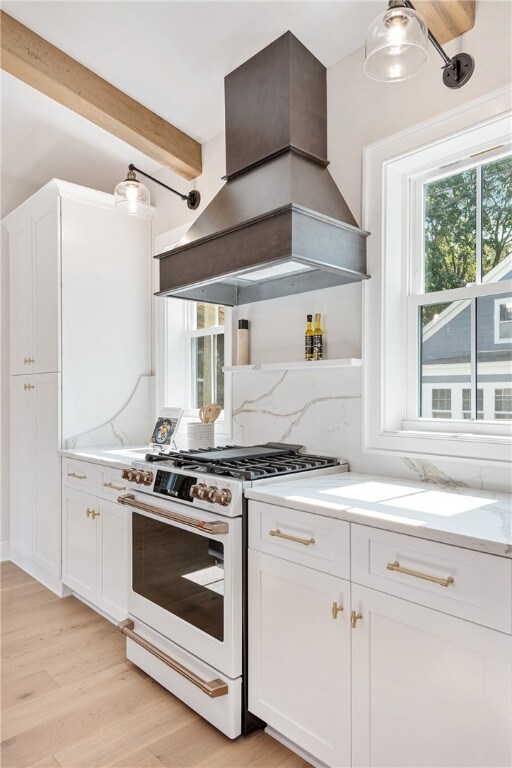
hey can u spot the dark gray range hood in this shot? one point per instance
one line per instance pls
(280, 224)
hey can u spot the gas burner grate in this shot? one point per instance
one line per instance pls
(254, 467)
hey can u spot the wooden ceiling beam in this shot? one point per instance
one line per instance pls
(447, 19)
(43, 66)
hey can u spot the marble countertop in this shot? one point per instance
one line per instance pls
(118, 458)
(479, 520)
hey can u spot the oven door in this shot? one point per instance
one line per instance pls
(186, 579)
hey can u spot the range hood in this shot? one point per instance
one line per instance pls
(280, 224)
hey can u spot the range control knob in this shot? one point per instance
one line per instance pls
(212, 492)
(224, 497)
(147, 478)
(219, 496)
(139, 476)
(198, 491)
(127, 474)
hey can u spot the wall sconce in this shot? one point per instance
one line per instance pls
(132, 196)
(396, 48)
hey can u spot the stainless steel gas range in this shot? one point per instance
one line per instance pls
(187, 596)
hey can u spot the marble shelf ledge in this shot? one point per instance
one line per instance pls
(349, 362)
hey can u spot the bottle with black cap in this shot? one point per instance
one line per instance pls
(243, 342)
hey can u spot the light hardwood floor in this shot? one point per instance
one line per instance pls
(71, 699)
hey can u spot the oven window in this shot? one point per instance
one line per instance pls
(180, 571)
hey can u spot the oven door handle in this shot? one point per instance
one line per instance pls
(213, 527)
(212, 688)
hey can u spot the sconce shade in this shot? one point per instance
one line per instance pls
(396, 45)
(131, 196)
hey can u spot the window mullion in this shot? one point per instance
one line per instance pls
(473, 340)
(479, 273)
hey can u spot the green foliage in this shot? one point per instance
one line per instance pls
(450, 225)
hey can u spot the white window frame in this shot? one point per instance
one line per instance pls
(391, 171)
(172, 343)
(497, 321)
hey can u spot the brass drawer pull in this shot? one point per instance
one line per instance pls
(280, 535)
(78, 477)
(214, 527)
(212, 688)
(28, 386)
(336, 609)
(115, 487)
(442, 582)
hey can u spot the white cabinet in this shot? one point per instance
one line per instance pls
(404, 678)
(80, 312)
(428, 689)
(35, 471)
(95, 550)
(79, 542)
(112, 560)
(35, 287)
(299, 655)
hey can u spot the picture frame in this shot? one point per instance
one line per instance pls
(165, 429)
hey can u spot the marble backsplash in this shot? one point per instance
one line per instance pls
(321, 410)
(132, 425)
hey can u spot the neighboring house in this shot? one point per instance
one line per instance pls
(446, 357)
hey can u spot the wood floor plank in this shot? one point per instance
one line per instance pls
(11, 575)
(28, 687)
(72, 700)
(142, 759)
(111, 744)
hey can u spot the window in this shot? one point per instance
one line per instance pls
(205, 347)
(193, 344)
(466, 403)
(437, 204)
(502, 321)
(441, 403)
(503, 403)
(467, 244)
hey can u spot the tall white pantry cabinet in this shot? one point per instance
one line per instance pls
(80, 307)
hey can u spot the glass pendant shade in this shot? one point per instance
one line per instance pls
(396, 45)
(131, 196)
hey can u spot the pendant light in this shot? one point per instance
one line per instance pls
(396, 48)
(132, 196)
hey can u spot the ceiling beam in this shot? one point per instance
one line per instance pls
(43, 66)
(447, 19)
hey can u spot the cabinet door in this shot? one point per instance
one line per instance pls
(22, 291)
(46, 280)
(80, 523)
(23, 463)
(46, 546)
(428, 689)
(299, 656)
(112, 576)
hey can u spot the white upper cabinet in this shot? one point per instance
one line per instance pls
(35, 284)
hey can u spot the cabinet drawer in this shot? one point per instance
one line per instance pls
(81, 475)
(472, 585)
(112, 483)
(319, 542)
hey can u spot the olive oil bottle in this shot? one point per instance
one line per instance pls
(317, 339)
(308, 339)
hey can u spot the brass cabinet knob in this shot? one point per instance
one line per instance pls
(28, 386)
(91, 513)
(336, 609)
(28, 360)
(354, 618)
